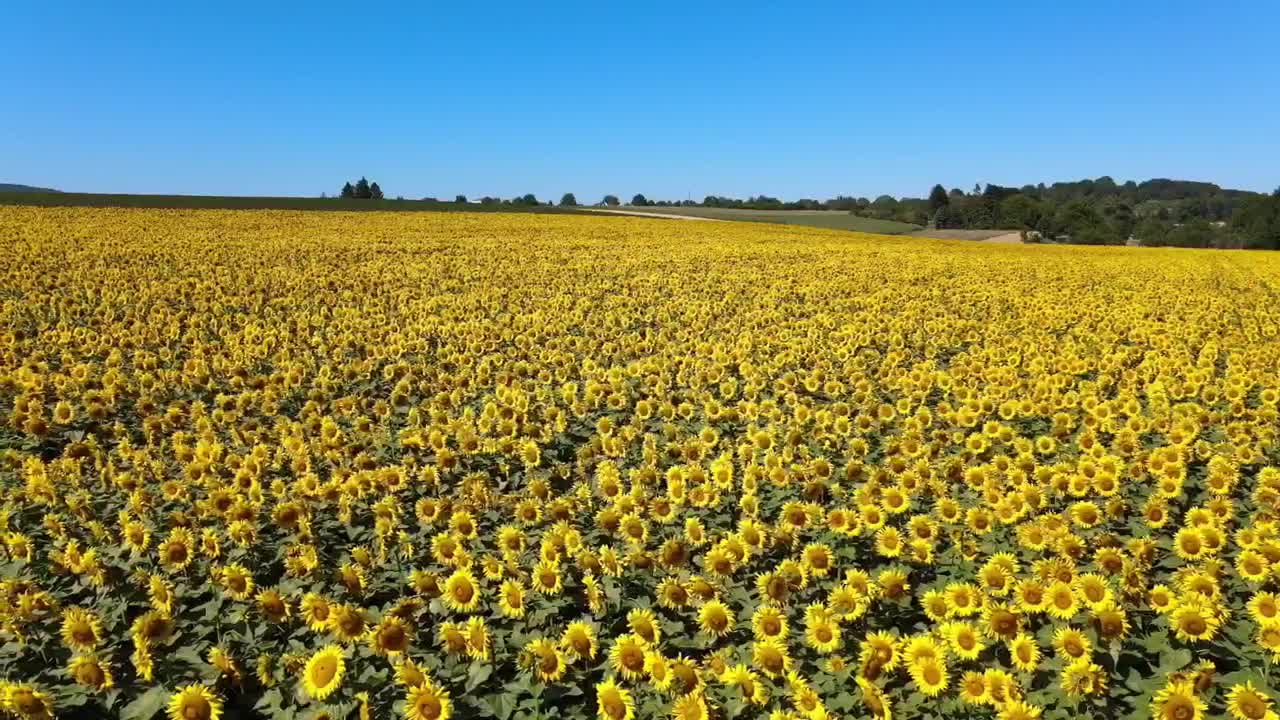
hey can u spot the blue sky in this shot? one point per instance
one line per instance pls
(668, 99)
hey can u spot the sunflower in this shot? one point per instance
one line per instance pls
(323, 672)
(770, 657)
(613, 702)
(347, 622)
(1062, 602)
(461, 593)
(273, 605)
(1162, 600)
(579, 641)
(768, 622)
(1195, 621)
(659, 669)
(410, 674)
(1083, 677)
(1189, 544)
(1112, 623)
(644, 624)
(879, 650)
(390, 637)
(748, 683)
(511, 599)
(1071, 644)
(822, 633)
(453, 638)
(692, 706)
(1024, 652)
(1264, 607)
(1245, 702)
(1031, 595)
(962, 599)
(236, 581)
(876, 702)
(547, 578)
(1093, 590)
(81, 630)
(1177, 701)
(627, 656)
(427, 701)
(194, 702)
(964, 640)
(935, 605)
(715, 619)
(90, 672)
(973, 689)
(547, 662)
(1018, 710)
(317, 612)
(930, 676)
(178, 549)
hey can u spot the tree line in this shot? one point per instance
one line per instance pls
(362, 190)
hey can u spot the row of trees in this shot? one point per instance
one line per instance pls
(362, 190)
(1158, 212)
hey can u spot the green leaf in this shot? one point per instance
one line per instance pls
(477, 674)
(146, 705)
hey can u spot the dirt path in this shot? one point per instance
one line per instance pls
(638, 213)
(1007, 239)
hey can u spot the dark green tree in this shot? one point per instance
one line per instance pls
(362, 189)
(460, 199)
(937, 198)
(347, 191)
(639, 200)
(375, 192)
(568, 200)
(611, 200)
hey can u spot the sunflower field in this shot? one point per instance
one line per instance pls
(274, 464)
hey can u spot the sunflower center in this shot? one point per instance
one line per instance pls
(196, 708)
(323, 671)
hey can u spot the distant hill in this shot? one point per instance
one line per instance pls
(14, 188)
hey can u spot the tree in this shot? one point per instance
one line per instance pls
(1152, 231)
(362, 189)
(611, 200)
(639, 200)
(527, 199)
(568, 200)
(347, 191)
(1019, 212)
(937, 198)
(1257, 222)
(375, 192)
(460, 199)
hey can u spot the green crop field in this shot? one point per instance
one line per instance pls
(833, 219)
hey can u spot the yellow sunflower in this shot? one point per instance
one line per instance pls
(427, 701)
(81, 630)
(461, 593)
(323, 672)
(627, 656)
(613, 702)
(194, 702)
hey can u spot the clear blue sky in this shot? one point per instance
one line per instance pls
(668, 99)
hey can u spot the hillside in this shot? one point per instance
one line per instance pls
(16, 188)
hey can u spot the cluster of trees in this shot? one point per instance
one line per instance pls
(1100, 212)
(362, 190)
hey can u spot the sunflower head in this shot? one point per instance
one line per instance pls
(194, 702)
(323, 672)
